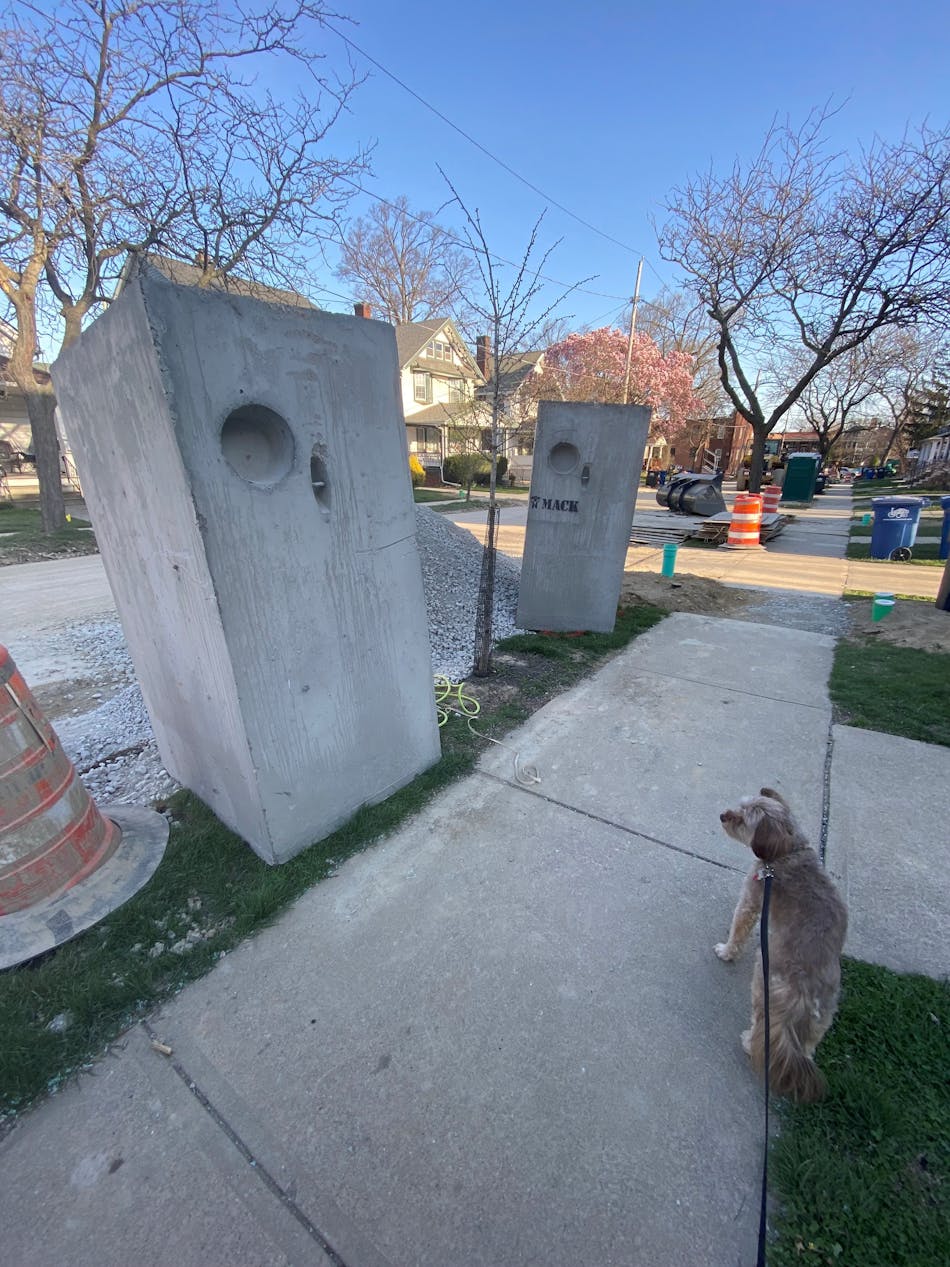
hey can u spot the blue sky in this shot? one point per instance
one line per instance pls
(606, 107)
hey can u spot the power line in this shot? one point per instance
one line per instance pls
(467, 246)
(494, 157)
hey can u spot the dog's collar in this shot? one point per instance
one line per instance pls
(764, 872)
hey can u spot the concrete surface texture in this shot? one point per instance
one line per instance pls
(886, 846)
(505, 1038)
(244, 465)
(579, 512)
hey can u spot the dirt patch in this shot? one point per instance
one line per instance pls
(60, 699)
(685, 593)
(522, 682)
(38, 550)
(910, 624)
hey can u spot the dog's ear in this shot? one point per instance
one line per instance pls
(770, 840)
(771, 793)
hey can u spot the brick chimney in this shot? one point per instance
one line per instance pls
(482, 354)
(363, 310)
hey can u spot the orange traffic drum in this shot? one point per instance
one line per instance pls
(51, 833)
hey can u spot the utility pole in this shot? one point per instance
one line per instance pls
(633, 326)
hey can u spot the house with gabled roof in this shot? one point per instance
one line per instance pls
(519, 390)
(440, 382)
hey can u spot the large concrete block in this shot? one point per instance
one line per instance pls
(584, 481)
(245, 467)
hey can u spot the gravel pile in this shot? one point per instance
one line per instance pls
(814, 612)
(112, 745)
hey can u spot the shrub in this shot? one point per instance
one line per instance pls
(416, 472)
(465, 468)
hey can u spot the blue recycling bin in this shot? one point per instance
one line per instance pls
(661, 478)
(895, 526)
(945, 530)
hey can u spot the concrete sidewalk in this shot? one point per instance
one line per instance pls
(498, 1038)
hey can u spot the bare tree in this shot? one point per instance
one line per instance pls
(508, 304)
(137, 126)
(814, 251)
(912, 356)
(405, 265)
(834, 396)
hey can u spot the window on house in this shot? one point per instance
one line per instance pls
(456, 390)
(720, 433)
(421, 388)
(439, 351)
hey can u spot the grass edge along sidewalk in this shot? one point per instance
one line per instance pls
(863, 1178)
(211, 891)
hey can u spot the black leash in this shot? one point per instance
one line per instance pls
(766, 874)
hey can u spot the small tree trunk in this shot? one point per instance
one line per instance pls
(757, 469)
(41, 408)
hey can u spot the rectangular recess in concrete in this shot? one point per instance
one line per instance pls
(584, 483)
(245, 466)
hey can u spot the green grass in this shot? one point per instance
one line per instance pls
(863, 1179)
(26, 534)
(924, 553)
(912, 598)
(210, 887)
(898, 690)
(585, 648)
(435, 495)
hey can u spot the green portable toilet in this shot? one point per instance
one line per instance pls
(801, 471)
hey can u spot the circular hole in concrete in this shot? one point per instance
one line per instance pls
(257, 444)
(564, 457)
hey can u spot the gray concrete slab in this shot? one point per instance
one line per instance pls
(128, 1168)
(36, 596)
(500, 1037)
(887, 848)
(694, 714)
(505, 1040)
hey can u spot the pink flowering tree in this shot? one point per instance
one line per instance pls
(592, 366)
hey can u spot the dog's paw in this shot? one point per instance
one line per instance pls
(725, 952)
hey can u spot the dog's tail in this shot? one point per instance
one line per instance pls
(792, 1072)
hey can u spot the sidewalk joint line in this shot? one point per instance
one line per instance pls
(738, 690)
(609, 822)
(266, 1177)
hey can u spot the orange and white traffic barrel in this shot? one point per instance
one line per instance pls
(53, 839)
(746, 522)
(51, 833)
(771, 496)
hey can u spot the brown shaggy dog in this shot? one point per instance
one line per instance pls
(807, 925)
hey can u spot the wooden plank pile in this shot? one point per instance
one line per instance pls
(656, 530)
